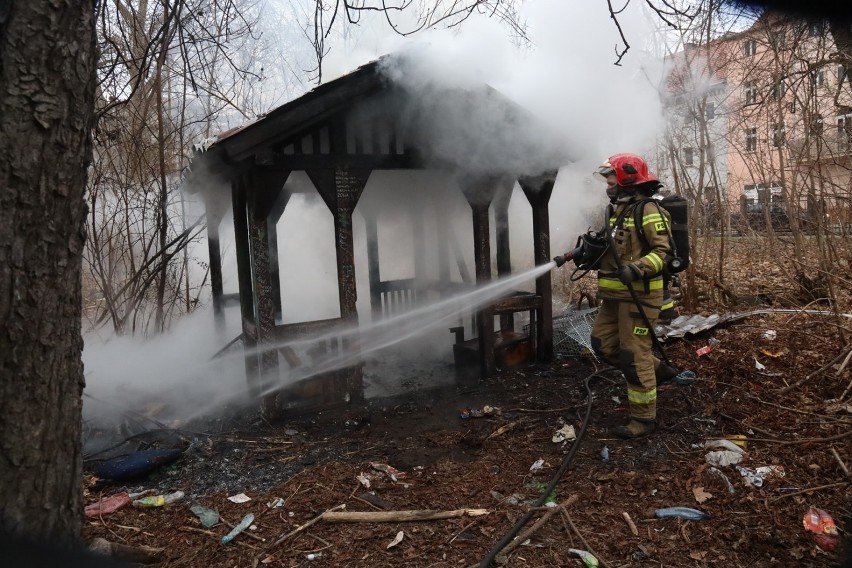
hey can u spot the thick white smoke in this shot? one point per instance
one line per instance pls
(566, 81)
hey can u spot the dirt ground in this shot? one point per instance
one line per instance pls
(310, 463)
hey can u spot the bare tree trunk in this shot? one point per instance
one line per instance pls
(46, 108)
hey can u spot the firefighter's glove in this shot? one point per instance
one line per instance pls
(628, 273)
(559, 260)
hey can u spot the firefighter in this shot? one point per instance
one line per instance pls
(620, 335)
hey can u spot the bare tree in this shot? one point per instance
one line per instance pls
(47, 56)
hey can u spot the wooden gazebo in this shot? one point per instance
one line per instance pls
(338, 134)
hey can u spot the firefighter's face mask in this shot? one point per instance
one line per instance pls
(612, 189)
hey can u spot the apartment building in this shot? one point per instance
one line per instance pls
(760, 126)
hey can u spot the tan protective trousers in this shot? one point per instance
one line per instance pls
(621, 337)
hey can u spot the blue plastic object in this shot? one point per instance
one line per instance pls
(134, 465)
(682, 513)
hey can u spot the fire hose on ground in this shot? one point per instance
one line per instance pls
(566, 463)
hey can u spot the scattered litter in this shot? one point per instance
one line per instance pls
(158, 500)
(135, 464)
(396, 540)
(723, 458)
(682, 513)
(759, 475)
(739, 439)
(771, 472)
(684, 378)
(770, 334)
(718, 473)
(243, 525)
(487, 410)
(278, 502)
(758, 365)
(720, 443)
(773, 354)
(108, 505)
(587, 557)
(711, 345)
(564, 434)
(313, 556)
(388, 470)
(822, 525)
(208, 517)
(537, 465)
(605, 454)
(786, 489)
(239, 498)
(363, 480)
(616, 400)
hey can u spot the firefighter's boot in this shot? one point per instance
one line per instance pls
(636, 428)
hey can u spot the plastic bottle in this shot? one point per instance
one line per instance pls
(243, 525)
(159, 500)
(682, 513)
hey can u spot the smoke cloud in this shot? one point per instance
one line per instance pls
(561, 103)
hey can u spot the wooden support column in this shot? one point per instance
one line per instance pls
(274, 271)
(247, 312)
(374, 271)
(263, 190)
(504, 259)
(538, 190)
(341, 189)
(479, 193)
(216, 206)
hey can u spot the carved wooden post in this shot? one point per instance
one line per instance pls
(538, 190)
(479, 193)
(501, 222)
(247, 313)
(341, 189)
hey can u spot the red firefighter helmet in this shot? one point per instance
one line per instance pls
(630, 169)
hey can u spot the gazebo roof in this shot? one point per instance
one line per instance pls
(367, 120)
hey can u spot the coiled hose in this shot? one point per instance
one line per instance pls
(492, 554)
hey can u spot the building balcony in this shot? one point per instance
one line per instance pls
(832, 145)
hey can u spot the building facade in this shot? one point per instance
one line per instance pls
(760, 127)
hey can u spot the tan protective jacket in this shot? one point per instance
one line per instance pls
(629, 247)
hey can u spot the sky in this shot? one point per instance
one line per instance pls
(566, 79)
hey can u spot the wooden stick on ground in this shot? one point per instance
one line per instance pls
(398, 516)
(630, 523)
(843, 353)
(840, 462)
(601, 561)
(256, 560)
(810, 489)
(520, 539)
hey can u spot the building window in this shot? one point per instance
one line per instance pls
(816, 124)
(793, 106)
(778, 39)
(687, 156)
(709, 110)
(841, 73)
(749, 47)
(779, 87)
(844, 130)
(817, 78)
(751, 139)
(708, 153)
(778, 134)
(750, 90)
